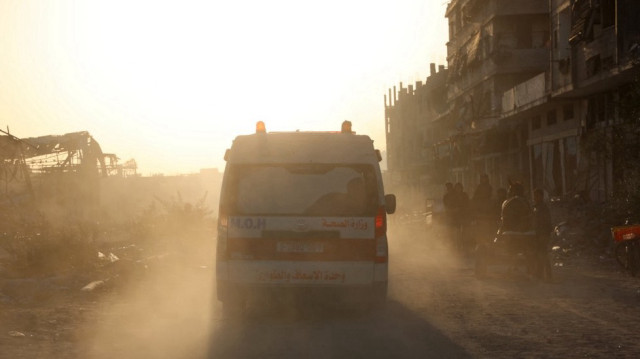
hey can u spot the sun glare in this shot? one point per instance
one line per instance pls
(170, 83)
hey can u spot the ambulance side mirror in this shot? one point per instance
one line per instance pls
(390, 203)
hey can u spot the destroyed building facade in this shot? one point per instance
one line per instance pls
(530, 83)
(69, 179)
(61, 173)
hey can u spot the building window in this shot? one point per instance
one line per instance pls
(595, 110)
(537, 168)
(551, 118)
(536, 123)
(487, 103)
(608, 12)
(524, 35)
(567, 112)
(485, 44)
(563, 28)
(593, 65)
(570, 161)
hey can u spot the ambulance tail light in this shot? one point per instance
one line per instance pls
(381, 222)
(382, 250)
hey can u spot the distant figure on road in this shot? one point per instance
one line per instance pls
(496, 210)
(482, 210)
(448, 201)
(482, 197)
(459, 217)
(541, 216)
(462, 205)
(542, 225)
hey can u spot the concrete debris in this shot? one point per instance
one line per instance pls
(111, 258)
(93, 285)
(4, 255)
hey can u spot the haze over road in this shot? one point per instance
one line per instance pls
(436, 309)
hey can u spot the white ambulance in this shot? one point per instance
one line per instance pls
(302, 212)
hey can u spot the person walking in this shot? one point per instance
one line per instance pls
(516, 211)
(461, 218)
(449, 201)
(496, 210)
(482, 195)
(481, 208)
(543, 227)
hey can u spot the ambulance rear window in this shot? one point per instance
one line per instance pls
(301, 190)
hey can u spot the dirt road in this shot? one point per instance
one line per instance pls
(436, 309)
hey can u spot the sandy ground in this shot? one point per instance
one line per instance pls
(436, 309)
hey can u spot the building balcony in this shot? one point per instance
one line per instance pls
(501, 62)
(596, 67)
(474, 8)
(525, 95)
(519, 7)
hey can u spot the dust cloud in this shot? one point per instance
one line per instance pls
(159, 297)
(435, 307)
(418, 232)
(168, 308)
(168, 311)
(132, 257)
(150, 245)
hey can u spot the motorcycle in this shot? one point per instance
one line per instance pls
(564, 241)
(627, 247)
(513, 249)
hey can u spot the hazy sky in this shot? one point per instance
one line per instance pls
(171, 83)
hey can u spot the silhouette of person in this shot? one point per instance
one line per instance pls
(462, 205)
(483, 191)
(351, 203)
(356, 199)
(460, 217)
(501, 196)
(542, 225)
(448, 201)
(516, 212)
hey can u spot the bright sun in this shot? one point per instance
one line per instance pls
(172, 82)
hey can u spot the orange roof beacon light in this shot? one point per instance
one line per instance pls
(260, 127)
(346, 127)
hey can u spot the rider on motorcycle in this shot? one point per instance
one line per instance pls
(516, 211)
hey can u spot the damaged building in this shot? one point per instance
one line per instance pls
(413, 123)
(68, 179)
(573, 106)
(530, 83)
(55, 168)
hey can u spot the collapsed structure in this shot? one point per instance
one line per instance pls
(46, 165)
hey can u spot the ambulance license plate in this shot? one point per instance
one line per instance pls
(300, 247)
